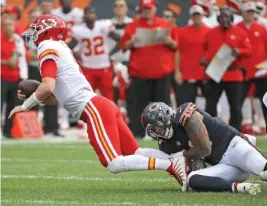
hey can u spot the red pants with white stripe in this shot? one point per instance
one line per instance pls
(100, 79)
(107, 131)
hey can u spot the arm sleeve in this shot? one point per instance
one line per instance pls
(49, 69)
(208, 52)
(129, 31)
(175, 37)
(48, 50)
(184, 112)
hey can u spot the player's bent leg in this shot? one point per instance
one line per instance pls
(221, 178)
(148, 152)
(243, 154)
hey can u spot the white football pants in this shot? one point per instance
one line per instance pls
(238, 162)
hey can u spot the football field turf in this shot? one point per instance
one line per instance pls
(68, 173)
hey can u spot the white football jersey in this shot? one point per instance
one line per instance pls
(74, 17)
(72, 89)
(93, 44)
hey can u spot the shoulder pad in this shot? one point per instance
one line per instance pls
(184, 112)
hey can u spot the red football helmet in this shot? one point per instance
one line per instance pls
(48, 26)
(207, 5)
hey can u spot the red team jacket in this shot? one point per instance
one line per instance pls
(257, 35)
(235, 37)
(149, 62)
(192, 49)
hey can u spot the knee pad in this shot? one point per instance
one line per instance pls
(117, 165)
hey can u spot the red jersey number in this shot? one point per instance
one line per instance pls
(94, 47)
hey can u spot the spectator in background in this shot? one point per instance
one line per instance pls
(3, 4)
(150, 67)
(120, 20)
(257, 35)
(15, 13)
(232, 80)
(72, 16)
(169, 16)
(261, 9)
(13, 68)
(47, 6)
(189, 75)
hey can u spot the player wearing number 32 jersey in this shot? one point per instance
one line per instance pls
(63, 83)
(90, 40)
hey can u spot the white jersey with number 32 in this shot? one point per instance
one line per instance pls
(72, 89)
(93, 44)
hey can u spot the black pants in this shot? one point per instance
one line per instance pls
(261, 88)
(187, 92)
(8, 96)
(50, 118)
(141, 93)
(213, 91)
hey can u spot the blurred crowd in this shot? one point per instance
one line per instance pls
(171, 71)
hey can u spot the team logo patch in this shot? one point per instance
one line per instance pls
(232, 37)
(153, 107)
(257, 33)
(48, 52)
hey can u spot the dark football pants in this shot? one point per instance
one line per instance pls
(261, 88)
(142, 92)
(187, 92)
(234, 90)
(8, 96)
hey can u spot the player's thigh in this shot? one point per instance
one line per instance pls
(127, 139)
(226, 172)
(245, 156)
(102, 128)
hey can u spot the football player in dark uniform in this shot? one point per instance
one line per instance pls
(194, 134)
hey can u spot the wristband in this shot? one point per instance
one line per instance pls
(31, 102)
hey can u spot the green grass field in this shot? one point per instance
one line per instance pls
(50, 173)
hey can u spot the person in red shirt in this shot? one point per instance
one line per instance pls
(189, 74)
(232, 80)
(257, 35)
(10, 74)
(150, 66)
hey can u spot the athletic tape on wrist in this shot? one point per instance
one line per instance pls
(31, 102)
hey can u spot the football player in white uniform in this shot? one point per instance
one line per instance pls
(64, 83)
(92, 39)
(71, 16)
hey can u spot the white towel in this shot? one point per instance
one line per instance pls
(20, 48)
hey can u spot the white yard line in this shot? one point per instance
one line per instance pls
(47, 202)
(49, 146)
(42, 141)
(49, 161)
(90, 179)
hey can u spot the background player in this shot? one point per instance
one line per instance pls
(63, 82)
(231, 153)
(92, 40)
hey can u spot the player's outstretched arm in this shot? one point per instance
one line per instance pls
(198, 135)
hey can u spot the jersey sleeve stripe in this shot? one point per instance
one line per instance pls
(48, 52)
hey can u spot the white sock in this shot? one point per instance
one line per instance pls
(137, 163)
(148, 152)
(238, 187)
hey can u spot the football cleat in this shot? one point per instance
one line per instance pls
(263, 175)
(249, 188)
(179, 170)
